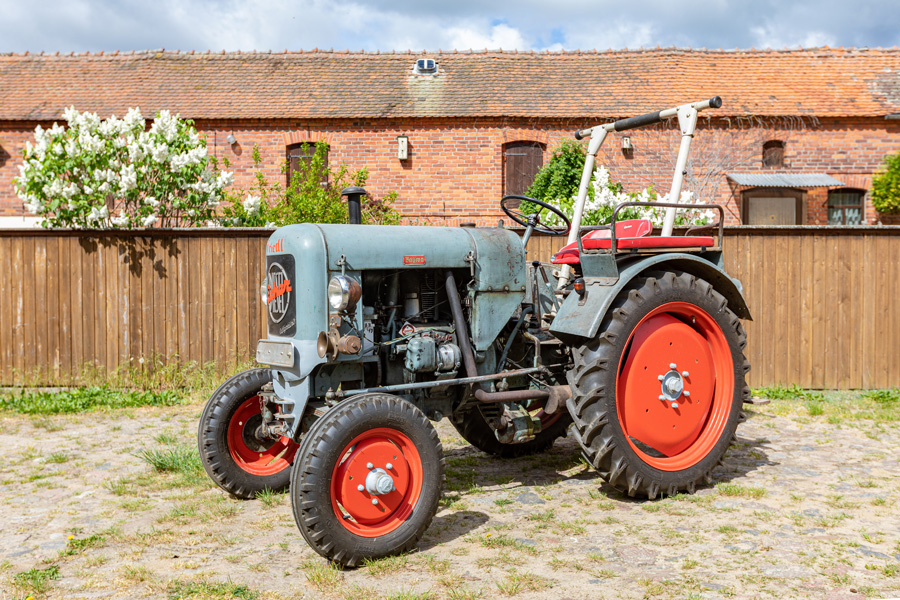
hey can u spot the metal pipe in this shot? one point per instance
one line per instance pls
(462, 332)
(420, 385)
(462, 335)
(511, 396)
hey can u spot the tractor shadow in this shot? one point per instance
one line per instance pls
(474, 476)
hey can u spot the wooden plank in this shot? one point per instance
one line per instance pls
(230, 298)
(6, 313)
(63, 275)
(158, 292)
(18, 277)
(193, 256)
(77, 302)
(184, 299)
(243, 298)
(207, 300)
(220, 347)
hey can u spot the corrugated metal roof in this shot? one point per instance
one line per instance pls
(785, 179)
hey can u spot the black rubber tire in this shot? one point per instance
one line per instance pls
(473, 428)
(320, 451)
(212, 437)
(596, 425)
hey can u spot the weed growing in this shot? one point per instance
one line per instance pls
(205, 590)
(37, 580)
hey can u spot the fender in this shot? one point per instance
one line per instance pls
(579, 318)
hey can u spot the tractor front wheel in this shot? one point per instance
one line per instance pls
(657, 394)
(367, 479)
(234, 457)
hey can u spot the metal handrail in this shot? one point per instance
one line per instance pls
(612, 224)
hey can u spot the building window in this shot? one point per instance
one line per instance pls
(773, 154)
(845, 207)
(299, 157)
(521, 162)
(773, 206)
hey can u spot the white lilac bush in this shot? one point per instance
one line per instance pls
(606, 196)
(116, 173)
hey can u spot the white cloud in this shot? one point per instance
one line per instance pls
(499, 36)
(432, 24)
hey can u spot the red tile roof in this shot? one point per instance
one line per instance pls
(823, 82)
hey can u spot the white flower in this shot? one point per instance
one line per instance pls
(119, 221)
(149, 220)
(98, 214)
(151, 201)
(251, 204)
(224, 179)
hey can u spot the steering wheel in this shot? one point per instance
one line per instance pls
(511, 206)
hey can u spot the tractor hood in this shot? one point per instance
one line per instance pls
(308, 255)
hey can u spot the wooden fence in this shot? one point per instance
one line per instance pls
(824, 301)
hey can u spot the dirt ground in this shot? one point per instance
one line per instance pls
(801, 508)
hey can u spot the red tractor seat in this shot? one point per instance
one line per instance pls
(629, 235)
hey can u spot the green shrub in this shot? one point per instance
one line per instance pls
(313, 196)
(886, 186)
(883, 396)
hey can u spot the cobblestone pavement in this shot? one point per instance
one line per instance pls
(801, 508)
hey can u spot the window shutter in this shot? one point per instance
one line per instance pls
(522, 161)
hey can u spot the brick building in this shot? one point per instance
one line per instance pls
(797, 141)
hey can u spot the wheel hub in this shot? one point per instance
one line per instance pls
(378, 482)
(672, 386)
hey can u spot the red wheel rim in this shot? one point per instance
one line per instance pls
(390, 453)
(255, 456)
(664, 436)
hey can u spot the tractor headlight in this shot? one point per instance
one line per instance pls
(343, 293)
(264, 290)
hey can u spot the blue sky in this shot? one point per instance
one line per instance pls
(79, 25)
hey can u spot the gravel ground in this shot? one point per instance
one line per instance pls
(802, 508)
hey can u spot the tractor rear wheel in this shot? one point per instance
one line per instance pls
(234, 457)
(657, 394)
(473, 426)
(367, 479)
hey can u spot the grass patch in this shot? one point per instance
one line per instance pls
(492, 541)
(76, 546)
(883, 396)
(81, 400)
(323, 575)
(379, 567)
(205, 590)
(269, 497)
(525, 581)
(37, 580)
(58, 458)
(184, 460)
(735, 489)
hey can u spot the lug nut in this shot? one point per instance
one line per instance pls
(660, 377)
(374, 501)
(674, 405)
(673, 366)
(389, 466)
(370, 466)
(686, 393)
(685, 374)
(661, 397)
(360, 487)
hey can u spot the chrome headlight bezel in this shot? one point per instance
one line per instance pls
(343, 293)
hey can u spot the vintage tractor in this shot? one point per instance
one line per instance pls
(631, 342)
